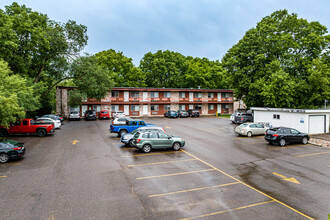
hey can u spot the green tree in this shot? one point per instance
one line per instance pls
(91, 80)
(17, 95)
(120, 69)
(204, 73)
(164, 69)
(286, 39)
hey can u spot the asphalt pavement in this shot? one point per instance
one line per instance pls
(84, 172)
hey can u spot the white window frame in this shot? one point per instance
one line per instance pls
(182, 94)
(167, 94)
(182, 107)
(134, 94)
(198, 95)
(155, 107)
(114, 92)
(167, 107)
(135, 108)
(211, 106)
(211, 95)
(114, 108)
(154, 94)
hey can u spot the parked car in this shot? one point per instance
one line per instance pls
(57, 123)
(284, 135)
(171, 114)
(90, 115)
(232, 117)
(146, 141)
(130, 126)
(74, 116)
(52, 116)
(183, 114)
(241, 117)
(104, 114)
(193, 113)
(120, 121)
(249, 129)
(28, 126)
(10, 149)
(127, 138)
(117, 114)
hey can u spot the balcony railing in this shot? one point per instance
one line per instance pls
(229, 99)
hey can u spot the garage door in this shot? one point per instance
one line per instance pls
(316, 124)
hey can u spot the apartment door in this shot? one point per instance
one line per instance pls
(191, 96)
(145, 96)
(219, 108)
(219, 96)
(126, 97)
(126, 109)
(145, 110)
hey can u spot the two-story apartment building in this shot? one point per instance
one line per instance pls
(151, 101)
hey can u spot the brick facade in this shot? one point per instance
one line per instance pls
(151, 101)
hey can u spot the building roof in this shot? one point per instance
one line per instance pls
(145, 89)
(291, 110)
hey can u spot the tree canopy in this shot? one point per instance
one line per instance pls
(273, 64)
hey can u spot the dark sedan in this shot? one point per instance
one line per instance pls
(193, 113)
(54, 117)
(10, 149)
(171, 114)
(283, 135)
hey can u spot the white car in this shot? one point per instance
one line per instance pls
(249, 129)
(57, 123)
(120, 120)
(117, 114)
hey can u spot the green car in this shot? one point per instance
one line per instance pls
(147, 141)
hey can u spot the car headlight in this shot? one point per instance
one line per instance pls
(125, 138)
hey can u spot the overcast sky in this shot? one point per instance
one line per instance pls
(198, 28)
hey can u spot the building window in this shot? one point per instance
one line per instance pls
(198, 107)
(211, 107)
(182, 107)
(167, 107)
(211, 95)
(114, 108)
(135, 108)
(198, 95)
(115, 94)
(135, 94)
(276, 116)
(154, 94)
(167, 94)
(226, 95)
(97, 108)
(182, 95)
(226, 106)
(154, 107)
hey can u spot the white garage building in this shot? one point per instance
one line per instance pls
(311, 121)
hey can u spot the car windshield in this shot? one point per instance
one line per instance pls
(243, 125)
(74, 112)
(137, 135)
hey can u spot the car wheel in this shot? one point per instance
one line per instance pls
(4, 158)
(3, 133)
(146, 148)
(176, 146)
(249, 134)
(122, 132)
(131, 142)
(282, 142)
(304, 140)
(41, 132)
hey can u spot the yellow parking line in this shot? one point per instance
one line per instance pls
(173, 174)
(277, 148)
(140, 155)
(14, 163)
(312, 154)
(3, 176)
(230, 210)
(195, 189)
(251, 187)
(173, 161)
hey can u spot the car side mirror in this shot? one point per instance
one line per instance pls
(169, 137)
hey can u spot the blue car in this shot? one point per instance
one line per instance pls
(171, 114)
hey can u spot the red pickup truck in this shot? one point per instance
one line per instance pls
(28, 126)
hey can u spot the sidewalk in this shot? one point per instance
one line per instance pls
(320, 139)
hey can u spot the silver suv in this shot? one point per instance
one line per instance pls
(74, 116)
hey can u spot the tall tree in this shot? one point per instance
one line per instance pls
(120, 69)
(17, 95)
(281, 44)
(164, 69)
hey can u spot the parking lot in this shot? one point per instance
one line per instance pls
(84, 172)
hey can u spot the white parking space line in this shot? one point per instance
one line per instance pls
(173, 161)
(174, 174)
